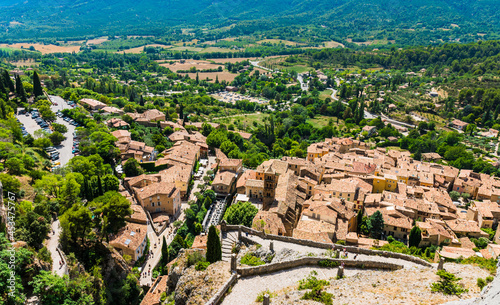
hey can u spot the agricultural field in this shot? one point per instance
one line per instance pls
(188, 64)
(224, 75)
(139, 50)
(44, 49)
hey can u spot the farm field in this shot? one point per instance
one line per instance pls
(44, 49)
(139, 50)
(198, 64)
(227, 76)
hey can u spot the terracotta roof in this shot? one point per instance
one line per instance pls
(130, 236)
(138, 214)
(392, 217)
(224, 178)
(254, 183)
(321, 237)
(153, 296)
(467, 226)
(200, 242)
(164, 188)
(269, 222)
(455, 253)
(248, 174)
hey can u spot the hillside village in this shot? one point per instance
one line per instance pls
(168, 189)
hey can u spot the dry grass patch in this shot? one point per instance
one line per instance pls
(138, 50)
(97, 40)
(44, 49)
(188, 64)
(227, 76)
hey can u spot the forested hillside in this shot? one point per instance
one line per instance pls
(412, 22)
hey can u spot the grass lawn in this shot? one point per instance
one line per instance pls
(324, 94)
(322, 121)
(246, 119)
(298, 69)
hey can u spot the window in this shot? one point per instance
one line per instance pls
(152, 204)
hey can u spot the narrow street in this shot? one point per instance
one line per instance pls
(169, 233)
(52, 243)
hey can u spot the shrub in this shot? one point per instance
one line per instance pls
(488, 264)
(328, 263)
(447, 284)
(260, 297)
(194, 257)
(481, 283)
(312, 281)
(251, 260)
(200, 266)
(317, 294)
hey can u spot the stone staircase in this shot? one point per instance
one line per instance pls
(228, 240)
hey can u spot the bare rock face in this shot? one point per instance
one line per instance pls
(192, 286)
(490, 294)
(197, 287)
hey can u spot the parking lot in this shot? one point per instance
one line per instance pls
(66, 147)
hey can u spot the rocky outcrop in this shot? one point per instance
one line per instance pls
(490, 294)
(197, 287)
(192, 286)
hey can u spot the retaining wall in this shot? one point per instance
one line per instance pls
(215, 300)
(248, 271)
(310, 243)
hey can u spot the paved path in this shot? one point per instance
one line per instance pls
(51, 245)
(278, 245)
(152, 260)
(247, 289)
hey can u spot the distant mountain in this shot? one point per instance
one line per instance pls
(62, 18)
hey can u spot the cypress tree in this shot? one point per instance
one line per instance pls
(214, 250)
(19, 85)
(8, 81)
(164, 257)
(359, 219)
(99, 185)
(415, 237)
(37, 86)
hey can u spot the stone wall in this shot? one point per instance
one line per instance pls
(219, 294)
(310, 243)
(249, 271)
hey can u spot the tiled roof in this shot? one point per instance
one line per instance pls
(163, 188)
(153, 296)
(268, 222)
(130, 236)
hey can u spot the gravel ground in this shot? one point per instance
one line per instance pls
(406, 286)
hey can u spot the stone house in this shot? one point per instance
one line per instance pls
(130, 240)
(160, 197)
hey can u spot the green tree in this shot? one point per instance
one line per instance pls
(241, 213)
(37, 86)
(164, 256)
(14, 166)
(131, 168)
(56, 138)
(447, 284)
(376, 224)
(454, 195)
(76, 223)
(415, 237)
(214, 250)
(60, 128)
(111, 212)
